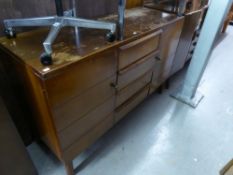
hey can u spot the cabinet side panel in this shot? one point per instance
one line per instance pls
(169, 42)
(41, 112)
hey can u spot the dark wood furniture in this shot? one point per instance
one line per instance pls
(14, 156)
(91, 87)
(194, 15)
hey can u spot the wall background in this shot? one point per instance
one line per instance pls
(35, 8)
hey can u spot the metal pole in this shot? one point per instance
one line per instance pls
(121, 18)
(59, 7)
(216, 14)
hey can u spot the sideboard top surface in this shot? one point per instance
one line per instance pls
(68, 50)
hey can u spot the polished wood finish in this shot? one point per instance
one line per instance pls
(81, 77)
(74, 101)
(133, 3)
(76, 108)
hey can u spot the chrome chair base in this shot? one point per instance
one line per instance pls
(57, 23)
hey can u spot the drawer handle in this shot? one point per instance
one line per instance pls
(114, 85)
(157, 58)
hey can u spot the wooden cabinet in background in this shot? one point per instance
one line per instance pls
(133, 3)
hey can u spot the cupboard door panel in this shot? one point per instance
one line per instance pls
(86, 123)
(80, 77)
(89, 138)
(76, 108)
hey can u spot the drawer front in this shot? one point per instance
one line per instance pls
(80, 77)
(130, 74)
(76, 108)
(89, 138)
(86, 123)
(127, 92)
(131, 104)
(130, 53)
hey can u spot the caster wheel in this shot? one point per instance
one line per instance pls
(110, 37)
(46, 59)
(10, 33)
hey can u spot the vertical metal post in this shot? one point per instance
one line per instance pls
(216, 14)
(73, 8)
(121, 18)
(181, 7)
(59, 7)
(74, 14)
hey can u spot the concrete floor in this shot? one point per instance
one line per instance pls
(163, 136)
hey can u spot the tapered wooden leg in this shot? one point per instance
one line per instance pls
(69, 168)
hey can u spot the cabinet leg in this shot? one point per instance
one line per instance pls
(160, 89)
(167, 84)
(69, 168)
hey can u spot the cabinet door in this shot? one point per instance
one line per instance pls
(85, 124)
(79, 106)
(74, 81)
(190, 24)
(169, 43)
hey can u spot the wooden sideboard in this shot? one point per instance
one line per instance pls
(92, 86)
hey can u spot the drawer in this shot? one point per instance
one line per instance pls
(130, 53)
(127, 92)
(130, 74)
(76, 108)
(89, 138)
(86, 123)
(126, 107)
(81, 76)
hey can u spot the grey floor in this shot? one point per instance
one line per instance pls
(163, 136)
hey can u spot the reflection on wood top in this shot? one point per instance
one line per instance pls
(27, 47)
